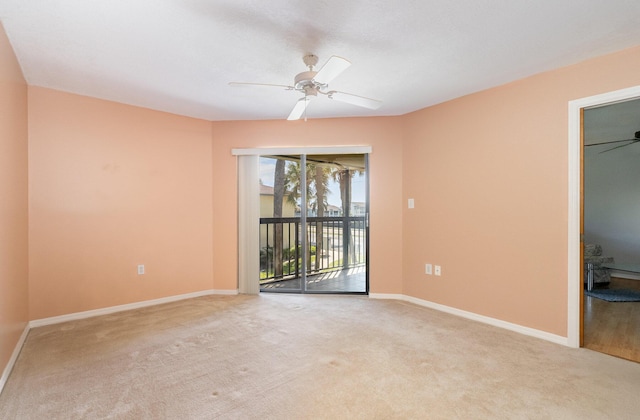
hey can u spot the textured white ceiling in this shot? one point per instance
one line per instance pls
(179, 55)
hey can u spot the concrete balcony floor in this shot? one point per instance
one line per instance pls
(339, 281)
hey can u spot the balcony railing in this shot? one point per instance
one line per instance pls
(333, 243)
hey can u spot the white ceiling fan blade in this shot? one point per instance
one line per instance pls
(332, 68)
(298, 109)
(240, 84)
(352, 99)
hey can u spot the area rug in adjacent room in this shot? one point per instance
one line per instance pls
(615, 295)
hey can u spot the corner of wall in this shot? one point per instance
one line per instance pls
(14, 251)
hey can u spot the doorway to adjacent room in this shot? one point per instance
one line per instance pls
(611, 197)
(581, 310)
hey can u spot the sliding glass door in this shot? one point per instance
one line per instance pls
(314, 223)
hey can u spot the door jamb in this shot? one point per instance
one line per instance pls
(574, 286)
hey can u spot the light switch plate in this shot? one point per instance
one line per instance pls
(428, 269)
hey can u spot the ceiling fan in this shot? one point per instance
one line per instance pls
(635, 139)
(311, 83)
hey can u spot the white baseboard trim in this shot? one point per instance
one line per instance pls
(231, 292)
(386, 296)
(475, 317)
(126, 307)
(14, 357)
(395, 296)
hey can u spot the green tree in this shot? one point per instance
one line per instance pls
(278, 198)
(317, 183)
(293, 183)
(343, 176)
(321, 184)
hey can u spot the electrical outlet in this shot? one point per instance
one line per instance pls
(411, 203)
(428, 269)
(438, 270)
(140, 269)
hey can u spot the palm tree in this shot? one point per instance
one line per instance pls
(278, 198)
(321, 183)
(343, 176)
(293, 181)
(317, 181)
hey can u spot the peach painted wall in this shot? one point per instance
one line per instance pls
(489, 176)
(385, 137)
(13, 202)
(113, 186)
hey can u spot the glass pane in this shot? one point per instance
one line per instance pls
(280, 253)
(336, 231)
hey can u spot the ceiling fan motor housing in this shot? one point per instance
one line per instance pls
(304, 82)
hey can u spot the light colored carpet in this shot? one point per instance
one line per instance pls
(294, 357)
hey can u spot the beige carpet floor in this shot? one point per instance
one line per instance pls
(307, 357)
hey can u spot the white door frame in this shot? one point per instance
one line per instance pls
(574, 288)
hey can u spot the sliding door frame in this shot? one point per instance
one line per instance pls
(248, 269)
